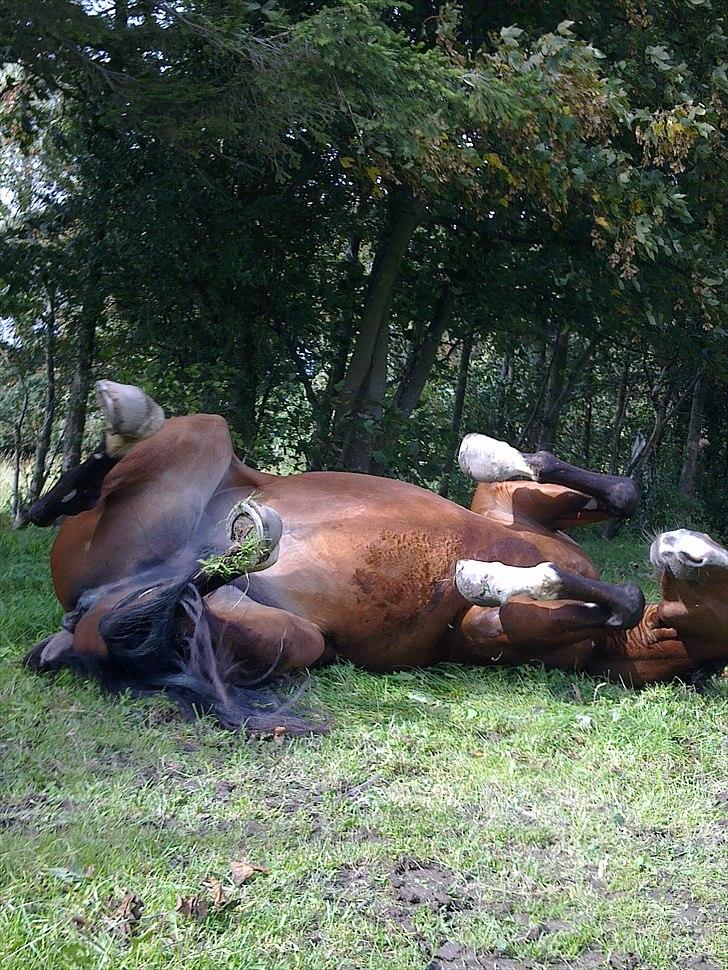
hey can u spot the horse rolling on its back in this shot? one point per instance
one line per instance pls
(379, 572)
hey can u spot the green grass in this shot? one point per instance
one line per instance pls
(556, 817)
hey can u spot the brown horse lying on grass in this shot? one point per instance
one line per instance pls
(378, 572)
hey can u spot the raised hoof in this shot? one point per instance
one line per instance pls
(630, 601)
(130, 414)
(489, 460)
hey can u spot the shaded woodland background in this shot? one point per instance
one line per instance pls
(360, 230)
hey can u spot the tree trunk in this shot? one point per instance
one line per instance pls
(359, 445)
(619, 418)
(80, 385)
(644, 446)
(49, 406)
(586, 430)
(691, 454)
(363, 375)
(554, 396)
(457, 414)
(501, 401)
(415, 374)
(422, 357)
(15, 490)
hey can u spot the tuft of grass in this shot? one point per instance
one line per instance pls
(237, 561)
(557, 817)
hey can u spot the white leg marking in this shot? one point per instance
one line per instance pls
(488, 460)
(494, 583)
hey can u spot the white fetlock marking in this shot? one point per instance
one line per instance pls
(488, 460)
(494, 583)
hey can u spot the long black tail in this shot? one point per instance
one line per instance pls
(161, 639)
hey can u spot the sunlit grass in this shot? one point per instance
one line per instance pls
(567, 816)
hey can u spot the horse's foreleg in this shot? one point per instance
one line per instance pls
(130, 416)
(253, 640)
(488, 460)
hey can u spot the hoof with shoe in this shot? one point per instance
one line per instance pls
(258, 527)
(129, 413)
(254, 531)
(489, 460)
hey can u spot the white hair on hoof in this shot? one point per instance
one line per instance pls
(489, 460)
(129, 413)
(683, 551)
(494, 583)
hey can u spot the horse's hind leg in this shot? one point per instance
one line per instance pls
(558, 634)
(488, 460)
(495, 583)
(560, 623)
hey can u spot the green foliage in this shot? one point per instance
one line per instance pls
(237, 562)
(210, 185)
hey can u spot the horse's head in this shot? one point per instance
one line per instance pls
(694, 575)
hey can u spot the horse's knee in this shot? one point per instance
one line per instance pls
(303, 648)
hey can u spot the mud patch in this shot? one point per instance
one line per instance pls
(454, 956)
(411, 885)
(428, 884)
(700, 962)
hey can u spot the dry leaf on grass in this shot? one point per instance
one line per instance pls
(124, 916)
(240, 872)
(192, 907)
(279, 735)
(217, 893)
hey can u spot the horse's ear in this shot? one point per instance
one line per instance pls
(130, 415)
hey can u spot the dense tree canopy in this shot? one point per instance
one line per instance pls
(359, 230)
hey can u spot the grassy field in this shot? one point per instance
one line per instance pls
(454, 818)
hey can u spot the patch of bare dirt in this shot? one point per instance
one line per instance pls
(455, 956)
(700, 962)
(19, 813)
(411, 885)
(429, 884)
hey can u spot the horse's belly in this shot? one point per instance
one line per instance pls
(382, 601)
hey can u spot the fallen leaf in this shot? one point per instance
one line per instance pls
(279, 735)
(124, 917)
(192, 907)
(240, 872)
(217, 893)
